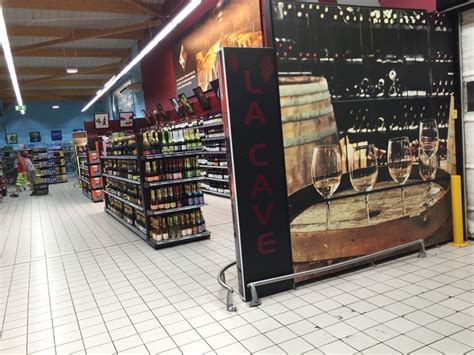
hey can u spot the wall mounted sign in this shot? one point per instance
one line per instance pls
(12, 138)
(56, 135)
(35, 137)
(232, 23)
(186, 104)
(252, 125)
(101, 120)
(202, 98)
(126, 119)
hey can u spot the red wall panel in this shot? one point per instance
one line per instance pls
(428, 5)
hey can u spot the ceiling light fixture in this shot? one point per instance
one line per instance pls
(190, 7)
(7, 52)
(55, 107)
(72, 70)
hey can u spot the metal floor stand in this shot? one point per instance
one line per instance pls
(230, 291)
(370, 258)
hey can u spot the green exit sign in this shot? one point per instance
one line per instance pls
(19, 108)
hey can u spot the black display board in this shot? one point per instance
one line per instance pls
(470, 96)
(254, 143)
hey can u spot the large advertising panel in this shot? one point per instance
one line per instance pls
(366, 109)
(232, 23)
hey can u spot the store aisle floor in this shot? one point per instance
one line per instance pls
(73, 280)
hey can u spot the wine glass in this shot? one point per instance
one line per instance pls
(427, 169)
(429, 136)
(364, 171)
(399, 162)
(326, 172)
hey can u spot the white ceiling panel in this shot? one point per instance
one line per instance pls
(79, 62)
(69, 19)
(79, 19)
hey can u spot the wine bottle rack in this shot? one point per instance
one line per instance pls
(50, 165)
(386, 69)
(90, 172)
(133, 182)
(213, 160)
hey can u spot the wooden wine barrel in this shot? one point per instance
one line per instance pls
(308, 120)
(350, 236)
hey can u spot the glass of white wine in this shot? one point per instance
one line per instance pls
(429, 136)
(428, 165)
(326, 172)
(364, 171)
(400, 162)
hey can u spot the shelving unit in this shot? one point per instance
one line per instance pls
(3, 181)
(50, 165)
(213, 159)
(90, 171)
(148, 184)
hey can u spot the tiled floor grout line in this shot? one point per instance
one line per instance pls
(48, 210)
(152, 283)
(10, 212)
(29, 287)
(149, 309)
(95, 300)
(188, 274)
(13, 270)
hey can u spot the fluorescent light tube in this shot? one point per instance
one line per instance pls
(190, 7)
(55, 107)
(72, 70)
(7, 53)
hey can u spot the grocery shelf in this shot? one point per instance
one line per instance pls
(119, 157)
(171, 182)
(205, 152)
(92, 188)
(126, 224)
(172, 155)
(172, 210)
(211, 125)
(217, 193)
(212, 167)
(216, 179)
(121, 179)
(210, 139)
(127, 202)
(170, 242)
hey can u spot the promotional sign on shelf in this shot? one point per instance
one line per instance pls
(254, 142)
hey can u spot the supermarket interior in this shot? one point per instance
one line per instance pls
(237, 177)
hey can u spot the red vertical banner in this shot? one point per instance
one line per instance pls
(254, 142)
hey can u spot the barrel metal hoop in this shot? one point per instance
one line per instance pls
(303, 88)
(307, 115)
(301, 100)
(298, 141)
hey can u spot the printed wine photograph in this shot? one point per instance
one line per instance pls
(369, 146)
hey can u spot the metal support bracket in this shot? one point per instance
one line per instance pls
(230, 291)
(255, 302)
(370, 258)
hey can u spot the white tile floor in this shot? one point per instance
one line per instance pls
(73, 280)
